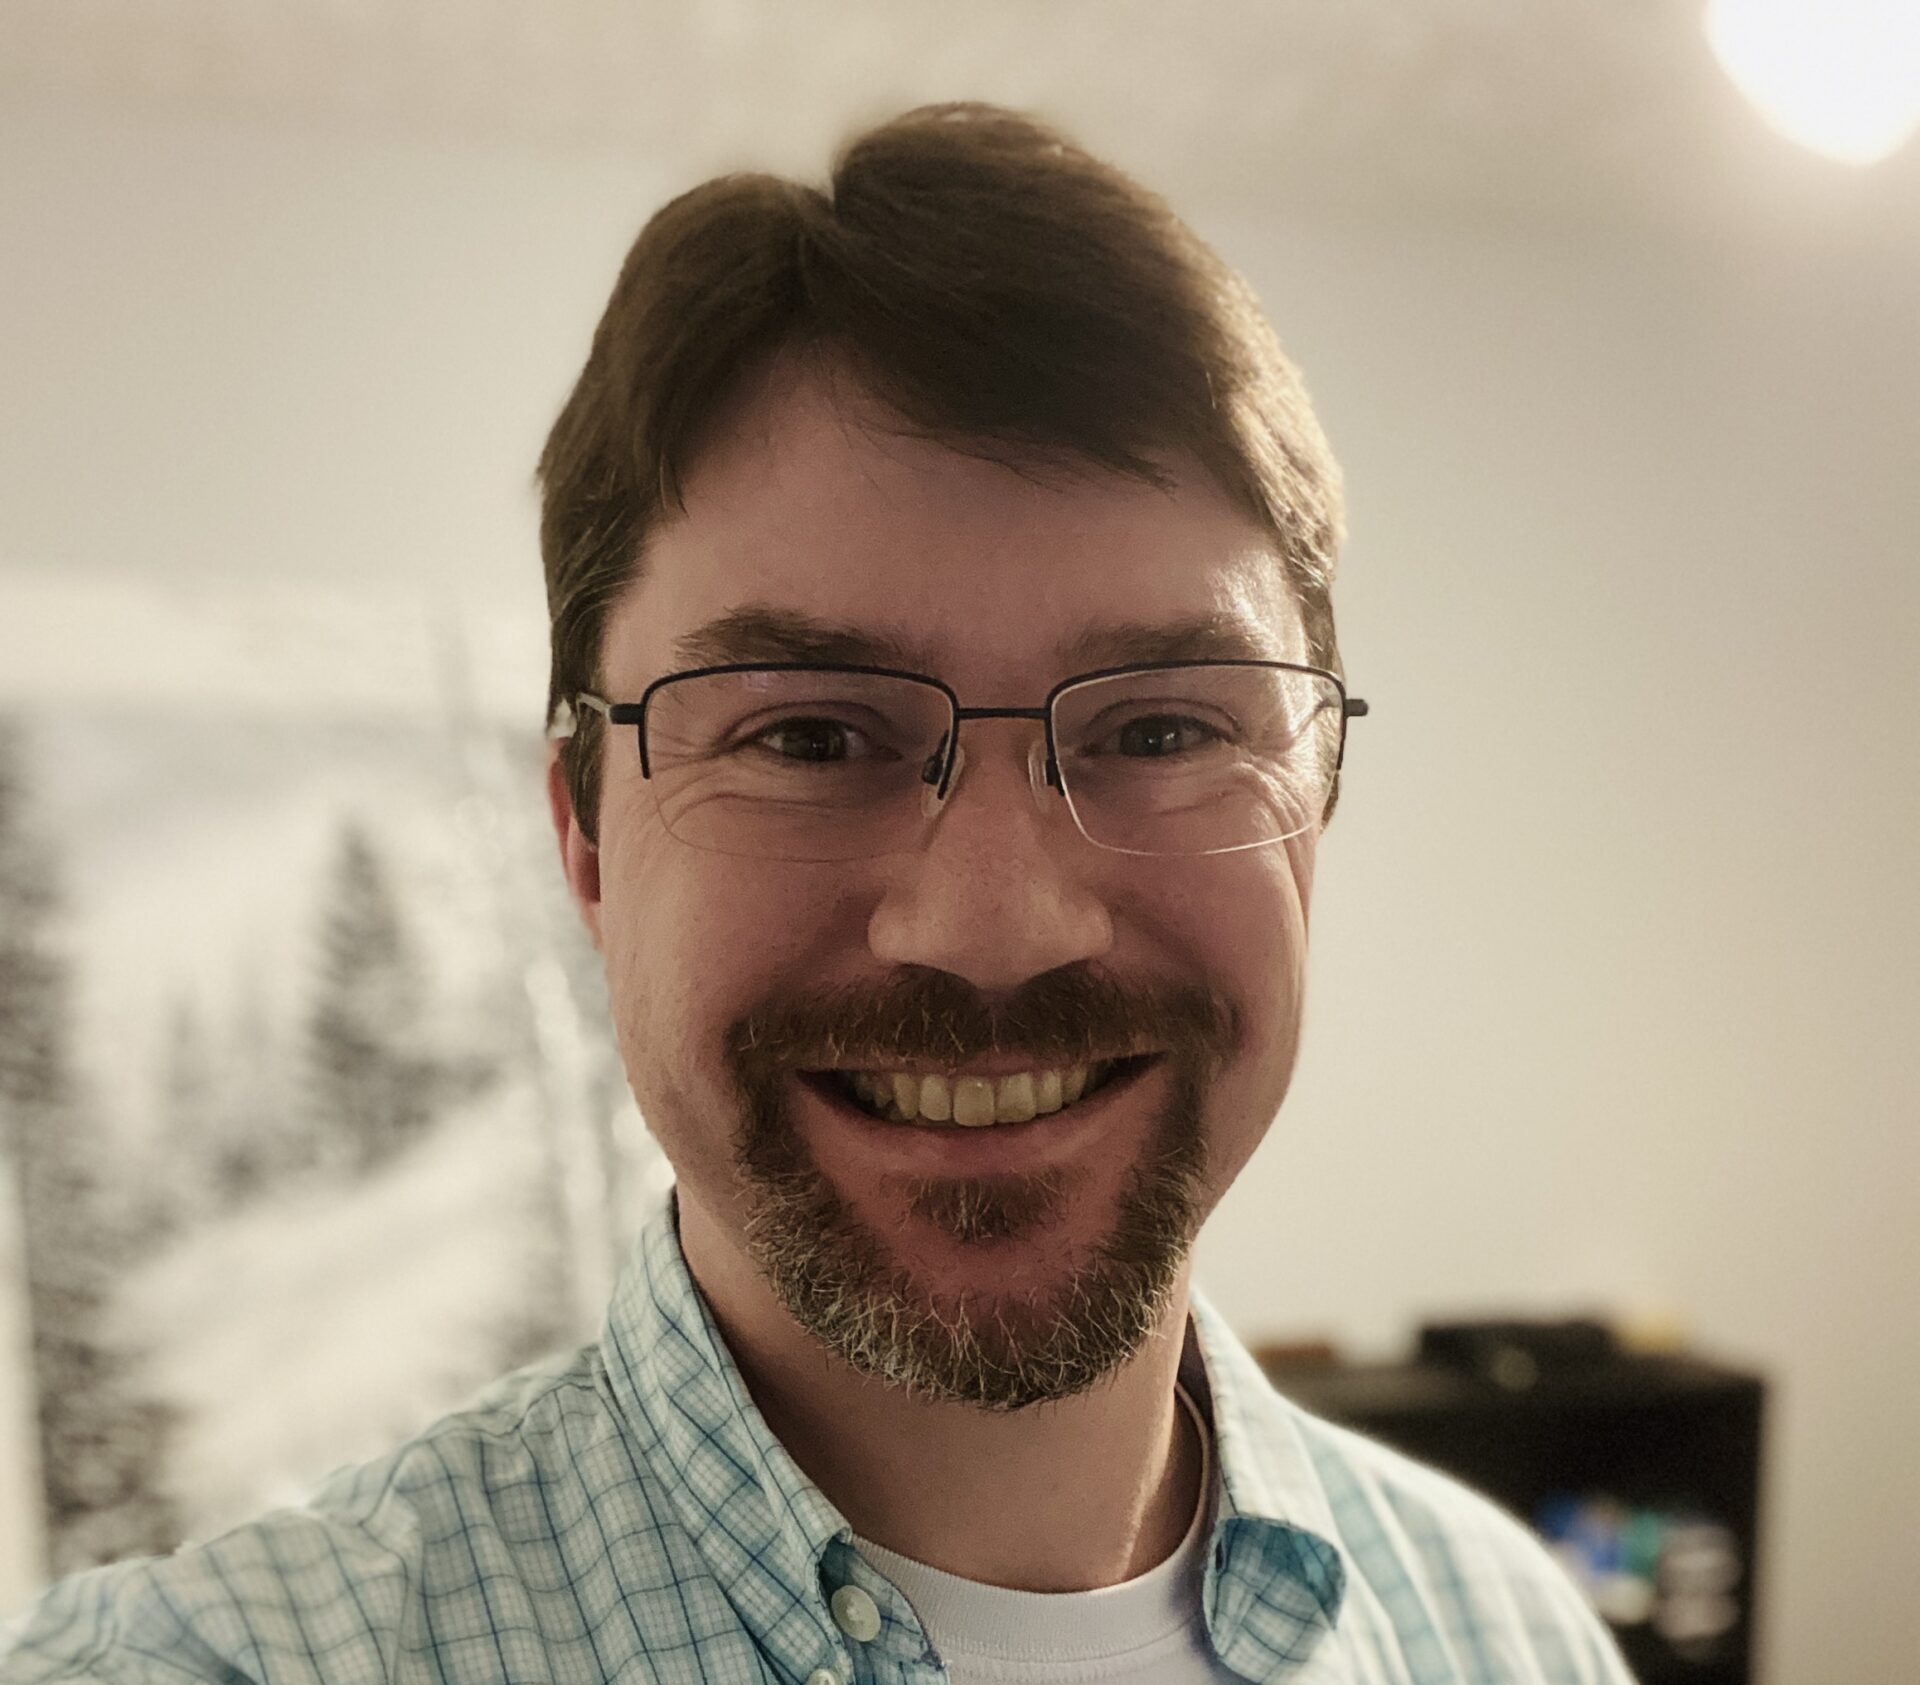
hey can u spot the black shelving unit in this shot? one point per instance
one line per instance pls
(1643, 1469)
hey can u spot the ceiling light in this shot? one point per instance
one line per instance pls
(1840, 77)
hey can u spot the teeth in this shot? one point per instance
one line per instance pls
(973, 1102)
(1013, 1100)
(970, 1102)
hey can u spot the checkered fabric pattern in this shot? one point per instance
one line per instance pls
(624, 1515)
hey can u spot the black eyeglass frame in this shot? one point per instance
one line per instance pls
(938, 771)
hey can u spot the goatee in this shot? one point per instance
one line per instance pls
(833, 1272)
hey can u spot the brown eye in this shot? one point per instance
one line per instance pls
(810, 740)
(1156, 736)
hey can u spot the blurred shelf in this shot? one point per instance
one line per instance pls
(1641, 1470)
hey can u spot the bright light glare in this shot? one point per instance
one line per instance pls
(1841, 77)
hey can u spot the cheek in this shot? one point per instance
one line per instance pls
(1244, 919)
(692, 941)
(655, 923)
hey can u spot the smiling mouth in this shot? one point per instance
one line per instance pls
(974, 1102)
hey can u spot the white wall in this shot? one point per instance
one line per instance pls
(1614, 985)
(1613, 992)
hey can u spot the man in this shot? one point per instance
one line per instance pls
(947, 712)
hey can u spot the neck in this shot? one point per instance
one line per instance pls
(1103, 1484)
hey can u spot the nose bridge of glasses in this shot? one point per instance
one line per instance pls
(942, 771)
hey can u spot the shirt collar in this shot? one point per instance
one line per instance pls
(1275, 1580)
(760, 1525)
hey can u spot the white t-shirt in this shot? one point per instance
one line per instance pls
(1148, 1631)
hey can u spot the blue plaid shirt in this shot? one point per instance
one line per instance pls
(625, 1515)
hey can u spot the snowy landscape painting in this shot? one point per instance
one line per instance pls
(309, 1119)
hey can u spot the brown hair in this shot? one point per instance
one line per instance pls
(994, 286)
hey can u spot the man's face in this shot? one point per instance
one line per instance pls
(758, 1002)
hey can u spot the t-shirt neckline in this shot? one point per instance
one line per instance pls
(968, 1617)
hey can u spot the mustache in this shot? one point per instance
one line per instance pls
(1073, 1015)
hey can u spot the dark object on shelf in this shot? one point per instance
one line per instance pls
(1517, 1355)
(1641, 1471)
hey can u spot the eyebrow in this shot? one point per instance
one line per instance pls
(756, 632)
(1199, 637)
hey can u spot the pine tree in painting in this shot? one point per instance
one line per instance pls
(99, 1442)
(224, 1130)
(181, 1198)
(370, 1079)
(257, 1141)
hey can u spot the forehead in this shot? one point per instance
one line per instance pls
(816, 528)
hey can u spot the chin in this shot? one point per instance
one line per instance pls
(999, 1290)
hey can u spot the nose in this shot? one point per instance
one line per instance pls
(1001, 891)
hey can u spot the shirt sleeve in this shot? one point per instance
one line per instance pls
(294, 1598)
(73, 1636)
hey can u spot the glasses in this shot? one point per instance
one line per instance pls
(804, 762)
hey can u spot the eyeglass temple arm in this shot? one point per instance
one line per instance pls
(566, 717)
(1351, 708)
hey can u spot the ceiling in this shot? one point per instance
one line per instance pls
(1529, 111)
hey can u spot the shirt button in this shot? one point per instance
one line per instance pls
(824, 1676)
(855, 1613)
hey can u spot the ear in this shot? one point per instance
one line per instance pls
(579, 858)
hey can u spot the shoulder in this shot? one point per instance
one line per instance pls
(333, 1592)
(1438, 1581)
(1450, 1571)
(1389, 1503)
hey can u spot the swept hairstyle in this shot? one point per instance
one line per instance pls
(995, 286)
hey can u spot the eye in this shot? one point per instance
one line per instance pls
(812, 739)
(1157, 736)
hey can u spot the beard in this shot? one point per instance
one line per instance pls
(833, 1272)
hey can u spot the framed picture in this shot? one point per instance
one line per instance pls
(312, 1119)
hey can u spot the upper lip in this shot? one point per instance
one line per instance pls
(999, 1065)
